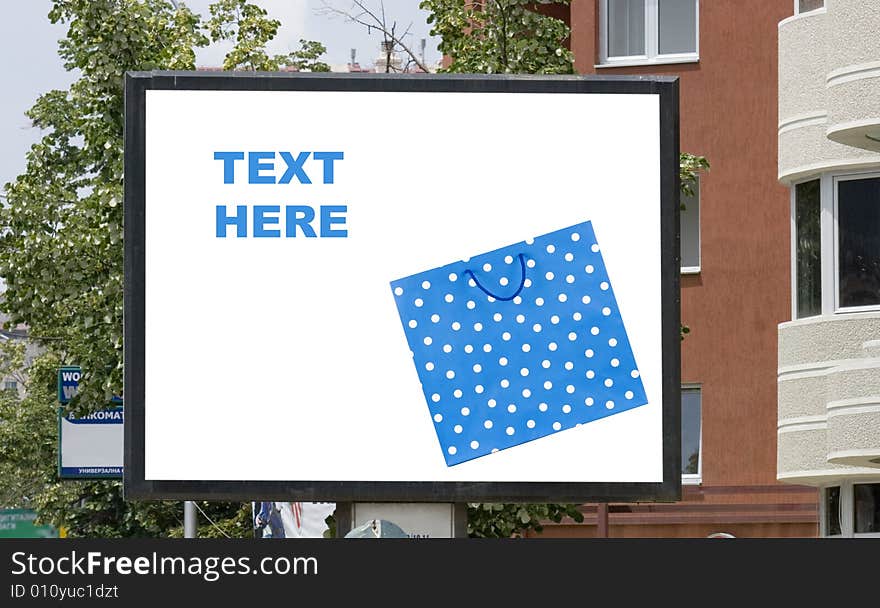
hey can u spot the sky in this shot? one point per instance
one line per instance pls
(32, 67)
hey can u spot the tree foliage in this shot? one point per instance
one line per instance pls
(500, 36)
(61, 242)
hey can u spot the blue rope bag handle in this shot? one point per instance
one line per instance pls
(522, 283)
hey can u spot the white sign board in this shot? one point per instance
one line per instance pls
(406, 285)
(91, 446)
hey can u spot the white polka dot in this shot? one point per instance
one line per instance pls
(569, 389)
(634, 373)
(488, 424)
(429, 366)
(475, 444)
(530, 263)
(438, 417)
(575, 236)
(510, 430)
(569, 365)
(508, 259)
(536, 328)
(503, 281)
(520, 318)
(413, 324)
(494, 450)
(569, 257)
(511, 408)
(505, 336)
(456, 326)
(478, 389)
(457, 428)
(552, 346)
(526, 393)
(612, 342)
(628, 394)
(606, 311)
(609, 382)
(449, 297)
(562, 297)
(530, 424)
(450, 374)
(477, 368)
(426, 285)
(549, 276)
(586, 299)
(556, 426)
(539, 301)
(435, 318)
(502, 361)
(447, 348)
(497, 317)
(594, 248)
(566, 409)
(517, 300)
(453, 277)
(588, 401)
(615, 362)
(457, 393)
(548, 385)
(487, 348)
(504, 383)
(452, 450)
(435, 397)
(603, 285)
(465, 411)
(589, 269)
(398, 291)
(471, 304)
(589, 353)
(487, 267)
(468, 348)
(545, 363)
(471, 283)
(551, 248)
(594, 330)
(569, 278)
(524, 372)
(427, 340)
(609, 405)
(572, 336)
(590, 374)
(491, 403)
(418, 302)
(554, 319)
(577, 316)
(526, 348)
(542, 407)
(478, 327)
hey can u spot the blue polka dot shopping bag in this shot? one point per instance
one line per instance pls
(518, 343)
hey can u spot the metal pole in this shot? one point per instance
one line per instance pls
(190, 521)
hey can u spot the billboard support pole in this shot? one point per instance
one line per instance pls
(190, 521)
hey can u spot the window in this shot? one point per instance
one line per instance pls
(649, 31)
(689, 222)
(835, 244)
(851, 509)
(866, 502)
(805, 6)
(10, 385)
(832, 511)
(858, 241)
(691, 436)
(808, 249)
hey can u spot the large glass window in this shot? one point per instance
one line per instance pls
(832, 511)
(808, 249)
(649, 31)
(691, 423)
(858, 242)
(689, 221)
(866, 503)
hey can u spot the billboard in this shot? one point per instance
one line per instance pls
(448, 288)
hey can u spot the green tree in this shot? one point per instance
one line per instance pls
(61, 243)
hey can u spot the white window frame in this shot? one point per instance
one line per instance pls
(828, 227)
(797, 8)
(694, 479)
(847, 509)
(652, 40)
(698, 197)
